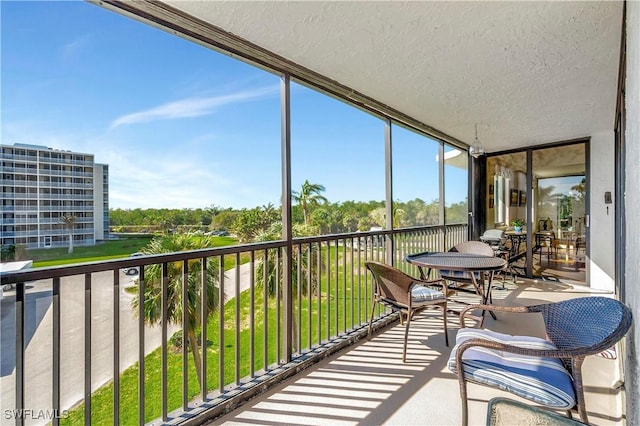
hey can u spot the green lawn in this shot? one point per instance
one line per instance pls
(112, 249)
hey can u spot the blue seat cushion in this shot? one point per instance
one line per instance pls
(421, 293)
(542, 380)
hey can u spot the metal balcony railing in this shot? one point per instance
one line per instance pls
(268, 307)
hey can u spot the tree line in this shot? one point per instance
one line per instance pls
(312, 214)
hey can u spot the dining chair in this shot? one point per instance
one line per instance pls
(580, 244)
(462, 279)
(547, 244)
(469, 282)
(496, 239)
(407, 295)
(547, 371)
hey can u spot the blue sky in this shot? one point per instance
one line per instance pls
(182, 126)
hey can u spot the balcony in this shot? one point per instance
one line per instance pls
(368, 384)
(316, 328)
(534, 75)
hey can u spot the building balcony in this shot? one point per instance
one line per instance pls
(48, 232)
(17, 157)
(67, 162)
(18, 182)
(20, 208)
(62, 197)
(20, 195)
(50, 172)
(71, 209)
(65, 185)
(308, 327)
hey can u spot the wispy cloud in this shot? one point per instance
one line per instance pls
(192, 107)
(165, 182)
(77, 47)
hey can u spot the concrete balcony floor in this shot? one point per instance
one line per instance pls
(367, 384)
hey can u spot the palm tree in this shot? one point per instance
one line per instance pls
(546, 201)
(398, 215)
(299, 283)
(175, 305)
(68, 220)
(378, 216)
(309, 195)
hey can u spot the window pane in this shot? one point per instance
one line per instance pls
(416, 193)
(179, 125)
(455, 185)
(337, 169)
(506, 189)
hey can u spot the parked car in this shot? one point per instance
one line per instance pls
(14, 266)
(132, 270)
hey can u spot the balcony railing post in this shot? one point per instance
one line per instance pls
(55, 400)
(328, 290)
(279, 295)
(116, 346)
(337, 290)
(87, 349)
(20, 315)
(252, 313)
(265, 309)
(237, 319)
(185, 342)
(164, 308)
(299, 280)
(141, 300)
(204, 314)
(319, 295)
(220, 333)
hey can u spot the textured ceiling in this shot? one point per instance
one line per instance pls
(527, 72)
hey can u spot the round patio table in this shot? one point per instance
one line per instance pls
(456, 261)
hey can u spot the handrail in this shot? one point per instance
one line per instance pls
(100, 266)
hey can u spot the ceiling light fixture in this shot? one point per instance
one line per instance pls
(476, 150)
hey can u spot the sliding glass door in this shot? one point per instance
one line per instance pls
(546, 189)
(559, 209)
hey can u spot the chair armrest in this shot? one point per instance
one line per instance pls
(494, 308)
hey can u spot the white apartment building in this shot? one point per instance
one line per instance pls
(39, 185)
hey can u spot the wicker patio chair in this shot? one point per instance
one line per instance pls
(406, 294)
(496, 239)
(464, 278)
(461, 280)
(545, 371)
